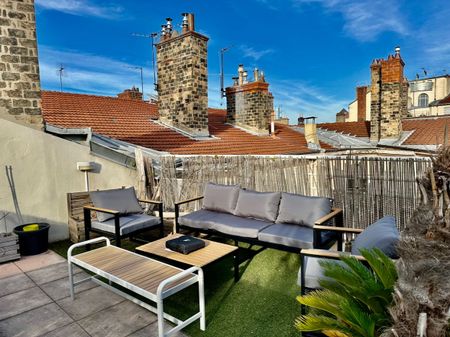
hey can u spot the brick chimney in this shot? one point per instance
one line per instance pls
(389, 92)
(20, 89)
(250, 104)
(361, 93)
(182, 78)
(133, 94)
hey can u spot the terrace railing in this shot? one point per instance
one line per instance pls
(367, 188)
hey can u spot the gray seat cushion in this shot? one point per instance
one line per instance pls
(224, 223)
(121, 199)
(382, 234)
(288, 235)
(201, 219)
(258, 205)
(313, 272)
(128, 223)
(220, 198)
(302, 210)
(292, 235)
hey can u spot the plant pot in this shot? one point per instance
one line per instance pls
(33, 242)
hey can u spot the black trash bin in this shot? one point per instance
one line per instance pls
(33, 242)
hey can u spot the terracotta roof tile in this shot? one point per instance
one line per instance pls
(427, 130)
(357, 129)
(133, 121)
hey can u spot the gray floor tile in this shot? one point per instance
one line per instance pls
(60, 288)
(35, 322)
(152, 331)
(16, 303)
(88, 302)
(14, 284)
(71, 330)
(51, 273)
(117, 321)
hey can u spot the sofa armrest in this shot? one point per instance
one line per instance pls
(328, 254)
(177, 210)
(188, 200)
(338, 229)
(335, 213)
(160, 211)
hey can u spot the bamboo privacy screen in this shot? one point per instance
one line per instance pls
(365, 187)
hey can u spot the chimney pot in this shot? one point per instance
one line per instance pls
(185, 23)
(245, 77)
(256, 74)
(240, 74)
(397, 51)
(191, 22)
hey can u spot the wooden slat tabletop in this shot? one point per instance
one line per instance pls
(138, 270)
(200, 258)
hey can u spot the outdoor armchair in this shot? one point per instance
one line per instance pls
(120, 215)
(383, 234)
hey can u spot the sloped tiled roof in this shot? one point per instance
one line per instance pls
(427, 130)
(357, 129)
(134, 121)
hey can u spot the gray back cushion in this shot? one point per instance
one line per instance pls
(302, 210)
(121, 199)
(221, 198)
(258, 205)
(382, 234)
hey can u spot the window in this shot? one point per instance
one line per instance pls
(423, 100)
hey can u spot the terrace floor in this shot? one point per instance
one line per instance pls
(34, 301)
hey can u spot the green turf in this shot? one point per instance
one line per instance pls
(261, 304)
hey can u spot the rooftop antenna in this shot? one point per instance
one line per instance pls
(142, 77)
(152, 37)
(61, 74)
(222, 89)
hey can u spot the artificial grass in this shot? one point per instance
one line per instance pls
(262, 303)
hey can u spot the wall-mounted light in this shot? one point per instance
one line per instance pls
(85, 166)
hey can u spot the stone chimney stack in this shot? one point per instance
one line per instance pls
(182, 78)
(133, 94)
(250, 104)
(389, 92)
(20, 91)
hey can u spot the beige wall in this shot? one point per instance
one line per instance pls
(353, 109)
(44, 170)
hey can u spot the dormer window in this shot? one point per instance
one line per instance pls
(423, 100)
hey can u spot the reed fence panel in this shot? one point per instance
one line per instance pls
(367, 188)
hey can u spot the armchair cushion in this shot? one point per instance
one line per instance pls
(221, 198)
(258, 205)
(382, 234)
(302, 210)
(128, 223)
(121, 199)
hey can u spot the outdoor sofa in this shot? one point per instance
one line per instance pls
(270, 219)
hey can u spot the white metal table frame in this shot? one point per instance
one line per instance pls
(158, 298)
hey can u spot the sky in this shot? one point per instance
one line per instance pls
(313, 52)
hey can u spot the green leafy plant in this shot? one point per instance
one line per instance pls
(355, 298)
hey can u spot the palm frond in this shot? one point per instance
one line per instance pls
(322, 323)
(382, 266)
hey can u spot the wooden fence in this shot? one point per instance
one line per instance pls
(365, 187)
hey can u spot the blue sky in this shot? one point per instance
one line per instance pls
(313, 52)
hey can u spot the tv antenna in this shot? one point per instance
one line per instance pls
(142, 77)
(62, 73)
(222, 89)
(152, 37)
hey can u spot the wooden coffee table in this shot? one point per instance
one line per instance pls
(213, 251)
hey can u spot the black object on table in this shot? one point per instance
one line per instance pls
(185, 244)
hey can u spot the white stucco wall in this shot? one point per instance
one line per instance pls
(45, 170)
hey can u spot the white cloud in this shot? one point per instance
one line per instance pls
(250, 52)
(81, 8)
(364, 19)
(89, 73)
(300, 98)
